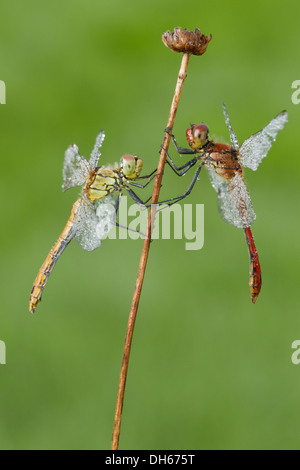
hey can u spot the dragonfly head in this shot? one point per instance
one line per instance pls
(197, 135)
(132, 166)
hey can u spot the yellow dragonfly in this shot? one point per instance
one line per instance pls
(94, 214)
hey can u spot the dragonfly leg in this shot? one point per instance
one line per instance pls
(118, 203)
(184, 169)
(180, 170)
(130, 229)
(147, 176)
(180, 150)
(124, 226)
(173, 200)
(136, 199)
(150, 178)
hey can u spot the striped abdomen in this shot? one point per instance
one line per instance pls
(255, 271)
(64, 239)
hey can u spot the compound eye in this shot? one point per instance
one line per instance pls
(129, 161)
(200, 133)
(196, 133)
(129, 165)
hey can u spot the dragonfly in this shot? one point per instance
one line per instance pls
(225, 164)
(94, 213)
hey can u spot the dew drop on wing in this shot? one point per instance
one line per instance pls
(95, 154)
(234, 201)
(233, 136)
(86, 225)
(106, 215)
(76, 168)
(254, 149)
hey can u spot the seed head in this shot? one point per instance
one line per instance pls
(190, 42)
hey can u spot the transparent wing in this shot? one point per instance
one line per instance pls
(106, 215)
(233, 199)
(233, 137)
(76, 168)
(95, 155)
(93, 222)
(86, 223)
(254, 149)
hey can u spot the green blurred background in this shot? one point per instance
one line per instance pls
(208, 370)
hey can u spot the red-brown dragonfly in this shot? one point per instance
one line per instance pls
(225, 164)
(94, 214)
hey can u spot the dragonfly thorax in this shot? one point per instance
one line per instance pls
(102, 182)
(223, 158)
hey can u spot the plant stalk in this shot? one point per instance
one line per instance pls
(145, 253)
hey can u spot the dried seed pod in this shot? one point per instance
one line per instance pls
(190, 42)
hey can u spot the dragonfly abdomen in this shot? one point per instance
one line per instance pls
(64, 239)
(255, 281)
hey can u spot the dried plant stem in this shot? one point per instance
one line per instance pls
(145, 253)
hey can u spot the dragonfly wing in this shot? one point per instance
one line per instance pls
(95, 155)
(233, 137)
(76, 168)
(106, 215)
(93, 222)
(254, 149)
(86, 223)
(233, 199)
